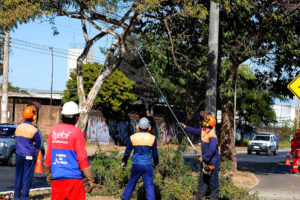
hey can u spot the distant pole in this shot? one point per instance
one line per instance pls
(51, 48)
(298, 113)
(4, 98)
(234, 111)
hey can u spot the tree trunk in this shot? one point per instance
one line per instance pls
(227, 137)
(227, 141)
(87, 105)
(4, 99)
(213, 44)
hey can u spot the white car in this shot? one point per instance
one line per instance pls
(263, 142)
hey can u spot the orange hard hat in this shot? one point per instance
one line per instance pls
(209, 121)
(297, 131)
(29, 112)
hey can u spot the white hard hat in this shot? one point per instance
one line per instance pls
(70, 108)
(144, 123)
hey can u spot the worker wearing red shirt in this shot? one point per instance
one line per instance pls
(295, 147)
(66, 158)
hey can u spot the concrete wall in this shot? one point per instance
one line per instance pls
(48, 116)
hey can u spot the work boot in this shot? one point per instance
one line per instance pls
(198, 197)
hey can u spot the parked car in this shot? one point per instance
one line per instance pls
(8, 144)
(263, 142)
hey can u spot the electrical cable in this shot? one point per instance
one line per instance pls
(46, 48)
(165, 99)
(43, 49)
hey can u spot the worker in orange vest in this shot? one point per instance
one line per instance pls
(295, 148)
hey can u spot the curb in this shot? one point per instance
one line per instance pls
(34, 189)
(256, 181)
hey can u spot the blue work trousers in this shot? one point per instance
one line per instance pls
(138, 170)
(209, 182)
(23, 179)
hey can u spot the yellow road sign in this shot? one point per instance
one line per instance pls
(294, 86)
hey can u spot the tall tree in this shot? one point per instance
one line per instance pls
(173, 53)
(12, 13)
(115, 95)
(254, 101)
(114, 18)
(249, 30)
(254, 29)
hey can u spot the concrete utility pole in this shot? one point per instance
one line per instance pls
(4, 99)
(51, 49)
(213, 44)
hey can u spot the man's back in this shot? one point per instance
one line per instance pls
(66, 152)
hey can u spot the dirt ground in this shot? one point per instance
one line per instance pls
(245, 180)
(46, 195)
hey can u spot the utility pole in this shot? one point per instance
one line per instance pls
(297, 113)
(234, 111)
(51, 49)
(4, 99)
(213, 45)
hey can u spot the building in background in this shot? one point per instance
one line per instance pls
(73, 54)
(285, 115)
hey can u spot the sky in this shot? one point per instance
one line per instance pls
(30, 63)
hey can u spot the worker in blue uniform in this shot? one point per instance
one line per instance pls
(210, 160)
(144, 145)
(27, 141)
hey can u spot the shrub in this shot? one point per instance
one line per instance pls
(173, 179)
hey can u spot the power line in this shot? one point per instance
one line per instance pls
(43, 49)
(46, 48)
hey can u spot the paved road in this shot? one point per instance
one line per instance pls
(244, 159)
(7, 177)
(275, 182)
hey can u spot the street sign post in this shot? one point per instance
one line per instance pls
(294, 86)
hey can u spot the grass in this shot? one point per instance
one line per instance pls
(284, 144)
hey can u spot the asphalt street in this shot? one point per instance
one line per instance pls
(7, 177)
(244, 159)
(275, 182)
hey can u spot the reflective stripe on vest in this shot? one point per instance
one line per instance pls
(142, 139)
(25, 130)
(208, 133)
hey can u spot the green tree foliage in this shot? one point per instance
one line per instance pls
(115, 94)
(14, 12)
(119, 19)
(173, 52)
(12, 88)
(254, 104)
(264, 31)
(143, 88)
(261, 31)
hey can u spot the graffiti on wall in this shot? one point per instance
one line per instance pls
(98, 131)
